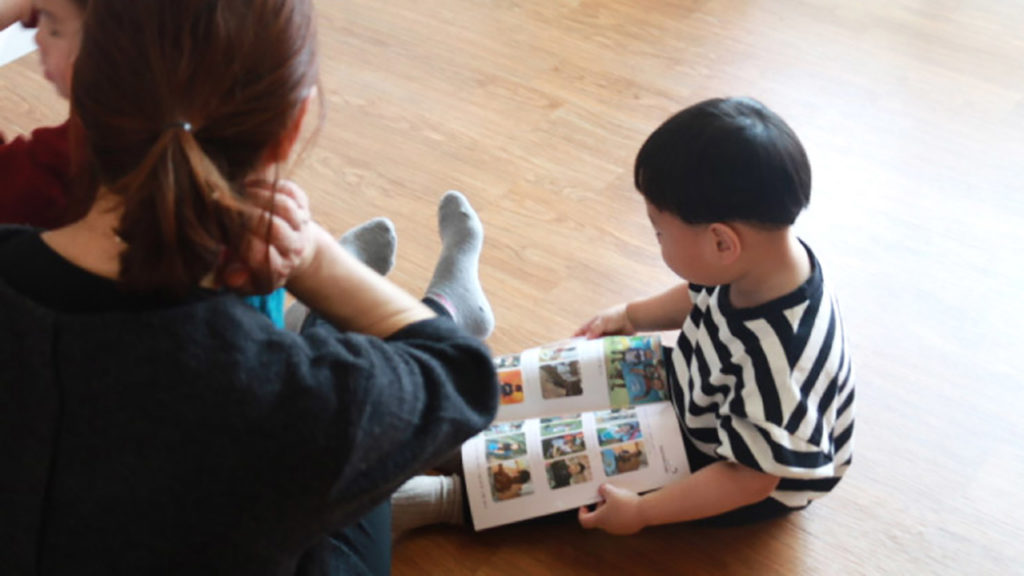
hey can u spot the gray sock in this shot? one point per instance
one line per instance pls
(425, 500)
(374, 242)
(456, 281)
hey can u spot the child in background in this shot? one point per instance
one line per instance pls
(37, 171)
(761, 379)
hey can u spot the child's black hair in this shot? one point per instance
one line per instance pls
(725, 160)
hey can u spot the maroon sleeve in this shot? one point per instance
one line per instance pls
(35, 178)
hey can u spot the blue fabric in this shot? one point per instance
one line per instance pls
(271, 305)
(360, 549)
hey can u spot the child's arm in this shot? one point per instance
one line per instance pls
(712, 490)
(664, 311)
(14, 11)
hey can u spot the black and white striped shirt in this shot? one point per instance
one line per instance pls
(769, 387)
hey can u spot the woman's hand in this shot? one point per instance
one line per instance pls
(614, 320)
(279, 243)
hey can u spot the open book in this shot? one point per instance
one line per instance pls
(573, 415)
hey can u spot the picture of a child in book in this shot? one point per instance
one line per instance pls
(511, 386)
(644, 384)
(558, 353)
(560, 380)
(618, 433)
(502, 428)
(558, 446)
(507, 361)
(624, 458)
(510, 480)
(560, 425)
(568, 472)
(506, 447)
(614, 415)
(636, 371)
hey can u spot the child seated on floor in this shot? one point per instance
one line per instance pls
(761, 376)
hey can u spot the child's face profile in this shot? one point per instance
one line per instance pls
(59, 37)
(683, 247)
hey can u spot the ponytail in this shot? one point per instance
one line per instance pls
(179, 216)
(143, 64)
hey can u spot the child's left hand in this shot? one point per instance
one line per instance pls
(619, 513)
(30, 18)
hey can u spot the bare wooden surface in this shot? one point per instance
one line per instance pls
(913, 116)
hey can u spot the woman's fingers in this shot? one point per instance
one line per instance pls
(285, 203)
(276, 239)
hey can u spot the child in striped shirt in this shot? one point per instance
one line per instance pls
(761, 377)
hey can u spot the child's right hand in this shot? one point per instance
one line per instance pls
(14, 11)
(613, 321)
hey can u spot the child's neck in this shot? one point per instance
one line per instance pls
(776, 264)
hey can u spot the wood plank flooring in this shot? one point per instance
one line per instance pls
(913, 116)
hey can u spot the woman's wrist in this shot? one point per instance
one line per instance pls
(319, 243)
(348, 294)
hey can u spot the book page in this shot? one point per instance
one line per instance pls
(522, 469)
(581, 375)
(15, 42)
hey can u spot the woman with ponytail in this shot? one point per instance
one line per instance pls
(151, 422)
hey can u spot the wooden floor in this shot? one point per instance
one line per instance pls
(913, 116)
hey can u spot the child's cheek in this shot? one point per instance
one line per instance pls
(65, 82)
(73, 49)
(67, 69)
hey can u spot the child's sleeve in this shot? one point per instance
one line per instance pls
(36, 178)
(785, 431)
(774, 450)
(789, 412)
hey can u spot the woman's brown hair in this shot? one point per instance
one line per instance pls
(175, 103)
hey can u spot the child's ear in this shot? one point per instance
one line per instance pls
(727, 242)
(280, 152)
